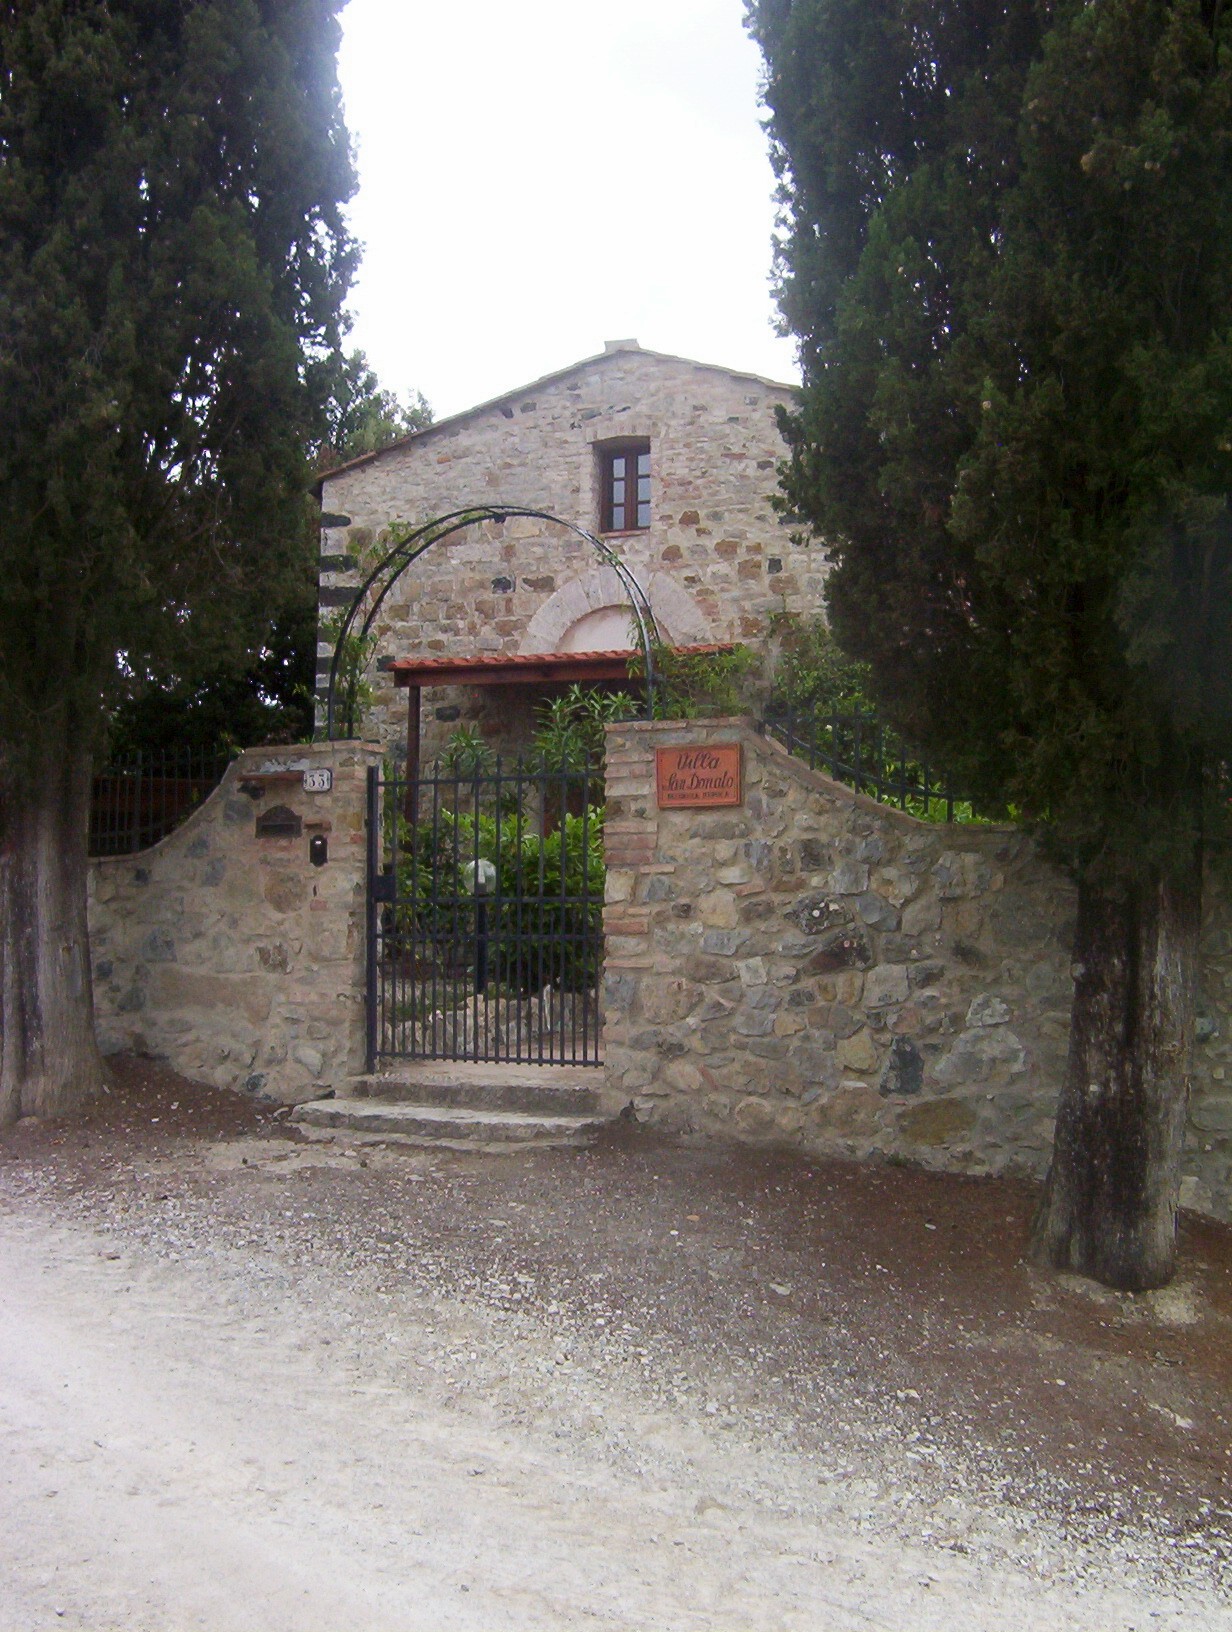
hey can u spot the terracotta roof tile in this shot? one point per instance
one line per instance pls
(524, 668)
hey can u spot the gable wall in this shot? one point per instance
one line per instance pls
(717, 559)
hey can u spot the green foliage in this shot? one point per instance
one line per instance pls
(702, 685)
(265, 693)
(268, 698)
(569, 729)
(857, 750)
(544, 910)
(353, 692)
(1008, 254)
(821, 701)
(363, 416)
(173, 256)
(466, 754)
(813, 672)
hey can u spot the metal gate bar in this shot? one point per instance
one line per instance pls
(485, 915)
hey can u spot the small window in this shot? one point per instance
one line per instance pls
(624, 472)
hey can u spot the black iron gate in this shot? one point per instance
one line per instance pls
(485, 909)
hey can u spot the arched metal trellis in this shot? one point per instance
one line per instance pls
(381, 579)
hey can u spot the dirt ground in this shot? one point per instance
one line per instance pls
(248, 1381)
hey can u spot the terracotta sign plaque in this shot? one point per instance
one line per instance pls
(699, 776)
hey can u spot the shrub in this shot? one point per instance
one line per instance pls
(542, 914)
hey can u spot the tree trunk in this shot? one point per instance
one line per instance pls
(49, 1059)
(1110, 1200)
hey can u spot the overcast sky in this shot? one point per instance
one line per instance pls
(539, 177)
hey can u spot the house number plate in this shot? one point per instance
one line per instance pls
(318, 781)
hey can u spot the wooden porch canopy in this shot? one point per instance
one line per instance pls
(520, 669)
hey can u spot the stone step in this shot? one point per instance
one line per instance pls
(550, 1090)
(454, 1127)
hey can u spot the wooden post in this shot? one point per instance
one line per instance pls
(411, 802)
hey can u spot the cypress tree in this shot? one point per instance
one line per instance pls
(173, 258)
(1007, 251)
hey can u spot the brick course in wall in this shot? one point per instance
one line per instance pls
(814, 968)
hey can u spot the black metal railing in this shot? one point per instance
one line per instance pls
(140, 798)
(859, 751)
(485, 916)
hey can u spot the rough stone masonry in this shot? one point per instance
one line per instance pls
(815, 968)
(224, 950)
(717, 562)
(806, 966)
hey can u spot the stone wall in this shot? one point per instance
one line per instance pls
(227, 952)
(814, 968)
(807, 967)
(716, 561)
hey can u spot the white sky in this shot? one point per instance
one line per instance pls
(539, 176)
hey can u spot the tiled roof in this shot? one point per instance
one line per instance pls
(524, 668)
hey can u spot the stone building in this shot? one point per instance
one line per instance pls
(794, 964)
(671, 462)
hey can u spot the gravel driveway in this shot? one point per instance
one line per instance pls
(248, 1382)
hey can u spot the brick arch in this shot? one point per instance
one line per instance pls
(679, 618)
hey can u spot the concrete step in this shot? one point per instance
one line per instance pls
(550, 1090)
(455, 1127)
